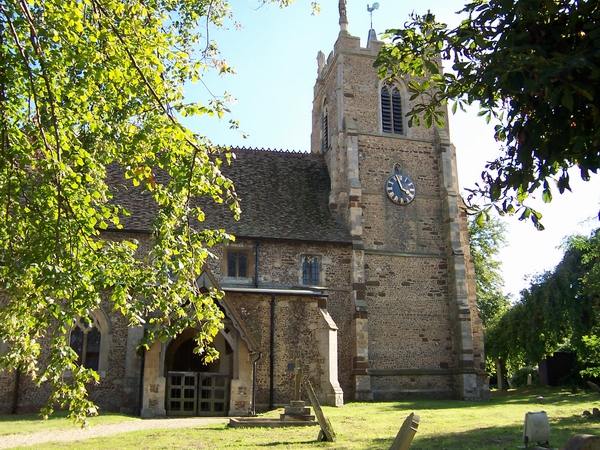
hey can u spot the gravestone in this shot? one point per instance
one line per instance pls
(326, 433)
(407, 433)
(583, 442)
(594, 386)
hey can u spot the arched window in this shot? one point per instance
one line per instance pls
(391, 110)
(90, 339)
(310, 270)
(324, 128)
(85, 340)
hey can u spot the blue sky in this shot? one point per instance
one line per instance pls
(274, 55)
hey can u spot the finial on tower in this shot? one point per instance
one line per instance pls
(343, 16)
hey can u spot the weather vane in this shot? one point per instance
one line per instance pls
(371, 9)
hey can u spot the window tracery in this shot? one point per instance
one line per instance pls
(90, 339)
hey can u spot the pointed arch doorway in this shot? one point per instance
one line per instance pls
(173, 373)
(193, 387)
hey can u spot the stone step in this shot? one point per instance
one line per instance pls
(297, 411)
(294, 418)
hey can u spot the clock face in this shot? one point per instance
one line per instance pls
(400, 189)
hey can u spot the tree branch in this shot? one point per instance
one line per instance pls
(35, 43)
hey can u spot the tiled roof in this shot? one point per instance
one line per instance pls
(283, 195)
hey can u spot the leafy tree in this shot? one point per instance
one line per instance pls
(487, 237)
(503, 338)
(590, 248)
(531, 65)
(85, 84)
(560, 309)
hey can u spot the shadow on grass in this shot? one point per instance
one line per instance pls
(483, 439)
(505, 437)
(287, 443)
(57, 415)
(30, 416)
(220, 427)
(523, 396)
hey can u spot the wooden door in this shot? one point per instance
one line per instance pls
(182, 393)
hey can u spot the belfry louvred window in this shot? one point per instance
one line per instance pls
(324, 130)
(391, 110)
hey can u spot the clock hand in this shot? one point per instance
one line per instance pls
(401, 187)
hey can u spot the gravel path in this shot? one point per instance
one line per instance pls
(75, 434)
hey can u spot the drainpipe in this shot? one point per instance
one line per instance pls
(256, 264)
(254, 363)
(15, 400)
(272, 357)
(142, 352)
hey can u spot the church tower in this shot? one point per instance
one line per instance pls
(413, 328)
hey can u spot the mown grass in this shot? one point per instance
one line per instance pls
(30, 423)
(444, 425)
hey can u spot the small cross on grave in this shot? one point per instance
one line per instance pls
(297, 377)
(297, 411)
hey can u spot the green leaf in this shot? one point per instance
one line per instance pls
(431, 66)
(567, 99)
(547, 195)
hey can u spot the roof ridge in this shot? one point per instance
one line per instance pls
(256, 149)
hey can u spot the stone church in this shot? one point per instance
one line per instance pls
(352, 259)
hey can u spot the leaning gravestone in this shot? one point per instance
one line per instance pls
(594, 386)
(407, 433)
(326, 433)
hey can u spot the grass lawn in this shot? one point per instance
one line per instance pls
(30, 423)
(447, 424)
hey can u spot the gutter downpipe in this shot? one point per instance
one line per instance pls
(272, 357)
(15, 399)
(141, 393)
(256, 264)
(254, 363)
(142, 352)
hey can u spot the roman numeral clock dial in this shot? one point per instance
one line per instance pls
(400, 189)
